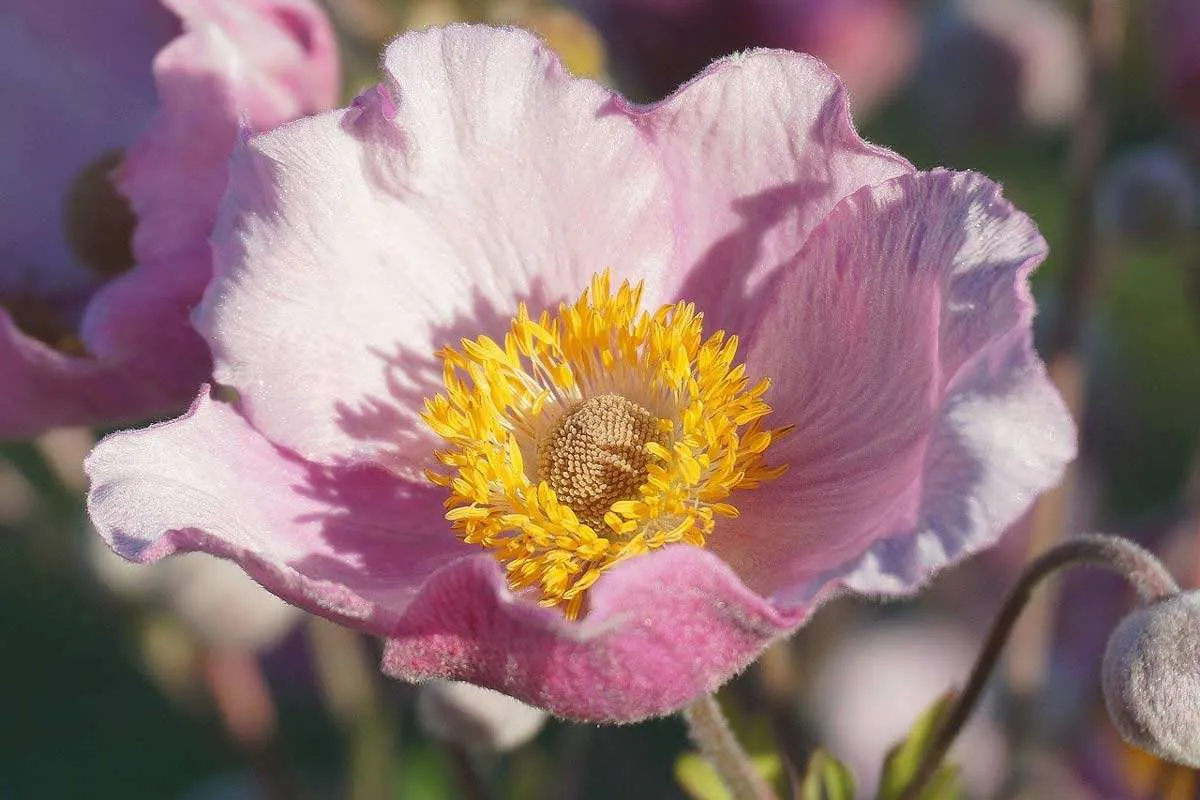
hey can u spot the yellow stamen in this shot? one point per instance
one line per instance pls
(599, 434)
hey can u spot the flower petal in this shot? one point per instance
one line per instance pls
(352, 543)
(259, 60)
(257, 63)
(900, 347)
(759, 147)
(252, 62)
(662, 629)
(356, 244)
(76, 86)
(361, 546)
(44, 388)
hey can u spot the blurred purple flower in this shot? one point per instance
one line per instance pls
(1149, 194)
(119, 121)
(870, 44)
(889, 307)
(991, 67)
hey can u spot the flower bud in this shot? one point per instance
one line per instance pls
(474, 717)
(1148, 195)
(1151, 678)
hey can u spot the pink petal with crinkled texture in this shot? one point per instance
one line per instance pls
(870, 44)
(362, 546)
(899, 345)
(354, 542)
(662, 629)
(358, 243)
(759, 147)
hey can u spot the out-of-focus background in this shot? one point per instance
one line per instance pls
(188, 681)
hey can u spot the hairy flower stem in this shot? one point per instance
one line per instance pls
(1080, 288)
(1138, 566)
(711, 734)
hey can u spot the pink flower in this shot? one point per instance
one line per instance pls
(889, 308)
(878, 678)
(994, 66)
(119, 123)
(871, 44)
(1177, 28)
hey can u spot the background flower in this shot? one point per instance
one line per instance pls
(475, 718)
(120, 119)
(220, 606)
(659, 44)
(879, 678)
(990, 68)
(1176, 26)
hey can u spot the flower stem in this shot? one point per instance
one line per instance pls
(1138, 566)
(711, 734)
(1086, 258)
(471, 784)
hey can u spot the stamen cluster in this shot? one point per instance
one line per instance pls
(598, 434)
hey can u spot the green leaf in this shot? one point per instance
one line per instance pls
(698, 778)
(900, 765)
(701, 781)
(826, 779)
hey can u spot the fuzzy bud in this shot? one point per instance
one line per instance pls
(475, 718)
(1148, 195)
(1152, 678)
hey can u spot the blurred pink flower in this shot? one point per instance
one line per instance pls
(889, 307)
(1177, 28)
(993, 66)
(120, 118)
(214, 599)
(870, 44)
(878, 679)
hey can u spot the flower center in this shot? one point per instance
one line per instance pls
(636, 429)
(42, 320)
(98, 220)
(98, 224)
(596, 455)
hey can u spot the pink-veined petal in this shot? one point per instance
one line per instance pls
(900, 347)
(759, 147)
(352, 542)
